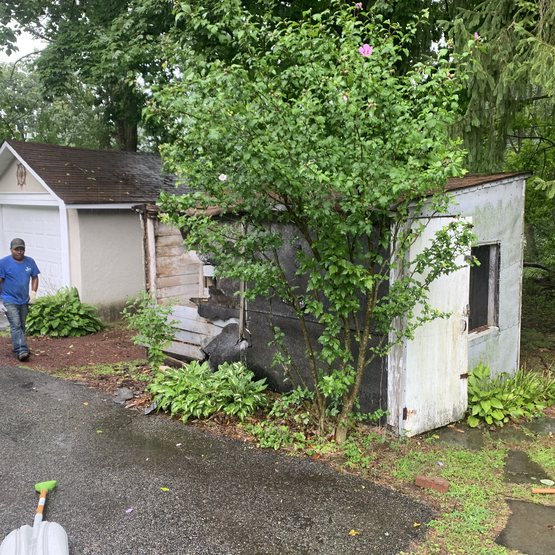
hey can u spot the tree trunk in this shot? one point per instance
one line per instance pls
(531, 247)
(126, 136)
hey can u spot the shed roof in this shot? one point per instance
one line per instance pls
(86, 176)
(470, 180)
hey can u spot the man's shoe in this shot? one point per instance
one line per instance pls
(23, 356)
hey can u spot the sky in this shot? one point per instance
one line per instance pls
(26, 44)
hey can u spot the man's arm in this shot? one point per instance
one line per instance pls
(34, 284)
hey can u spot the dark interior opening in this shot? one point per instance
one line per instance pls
(483, 287)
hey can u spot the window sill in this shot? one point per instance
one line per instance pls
(480, 332)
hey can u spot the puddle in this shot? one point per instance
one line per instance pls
(542, 426)
(462, 436)
(510, 435)
(519, 469)
(530, 529)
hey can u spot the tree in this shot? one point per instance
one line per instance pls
(101, 44)
(513, 55)
(310, 128)
(70, 120)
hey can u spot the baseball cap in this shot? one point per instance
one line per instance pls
(16, 243)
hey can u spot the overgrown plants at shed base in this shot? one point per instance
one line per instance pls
(195, 391)
(312, 127)
(497, 400)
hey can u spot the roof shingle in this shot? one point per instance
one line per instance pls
(85, 176)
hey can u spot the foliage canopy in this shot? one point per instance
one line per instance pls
(309, 128)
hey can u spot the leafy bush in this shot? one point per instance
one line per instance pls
(496, 400)
(153, 323)
(192, 391)
(62, 315)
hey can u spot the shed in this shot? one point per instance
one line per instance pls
(72, 206)
(422, 383)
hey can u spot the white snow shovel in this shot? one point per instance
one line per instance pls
(44, 538)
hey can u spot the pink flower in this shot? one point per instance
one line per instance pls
(366, 50)
(476, 36)
(359, 5)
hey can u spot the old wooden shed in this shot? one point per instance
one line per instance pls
(422, 384)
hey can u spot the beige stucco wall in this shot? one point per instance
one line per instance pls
(8, 182)
(111, 264)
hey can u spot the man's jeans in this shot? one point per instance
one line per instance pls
(17, 316)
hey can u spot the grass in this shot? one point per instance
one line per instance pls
(132, 369)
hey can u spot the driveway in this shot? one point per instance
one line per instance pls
(190, 492)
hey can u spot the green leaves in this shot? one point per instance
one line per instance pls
(153, 322)
(323, 150)
(62, 315)
(496, 400)
(193, 391)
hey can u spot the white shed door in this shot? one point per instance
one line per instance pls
(40, 229)
(436, 363)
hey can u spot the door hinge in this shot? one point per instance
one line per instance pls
(405, 413)
(464, 376)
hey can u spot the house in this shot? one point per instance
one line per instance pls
(422, 383)
(72, 207)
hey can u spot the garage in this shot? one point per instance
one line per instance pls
(39, 227)
(73, 209)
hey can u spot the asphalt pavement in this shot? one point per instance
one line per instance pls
(191, 493)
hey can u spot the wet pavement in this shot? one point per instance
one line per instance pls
(519, 469)
(190, 492)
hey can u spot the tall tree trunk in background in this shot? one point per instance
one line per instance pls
(126, 136)
(531, 247)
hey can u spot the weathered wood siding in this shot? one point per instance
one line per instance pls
(177, 276)
(194, 332)
(180, 276)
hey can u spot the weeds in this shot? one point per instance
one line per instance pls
(153, 323)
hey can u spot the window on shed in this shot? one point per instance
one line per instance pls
(484, 288)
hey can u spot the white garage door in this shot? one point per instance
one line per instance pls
(40, 229)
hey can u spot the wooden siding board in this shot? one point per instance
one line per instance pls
(186, 350)
(174, 281)
(170, 240)
(180, 292)
(170, 250)
(169, 266)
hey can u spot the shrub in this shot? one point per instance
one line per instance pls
(62, 315)
(496, 400)
(192, 391)
(153, 323)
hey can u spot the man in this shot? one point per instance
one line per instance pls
(16, 271)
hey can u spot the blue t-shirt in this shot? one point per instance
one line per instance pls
(15, 279)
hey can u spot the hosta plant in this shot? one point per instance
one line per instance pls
(496, 400)
(192, 391)
(62, 315)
